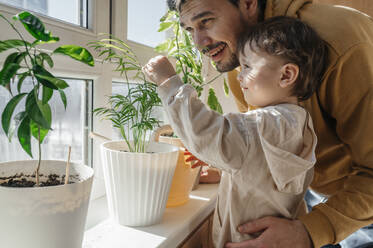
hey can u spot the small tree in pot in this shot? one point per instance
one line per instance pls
(27, 213)
(27, 60)
(138, 173)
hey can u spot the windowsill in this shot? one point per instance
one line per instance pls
(177, 223)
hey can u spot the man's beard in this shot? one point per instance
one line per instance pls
(223, 66)
(231, 64)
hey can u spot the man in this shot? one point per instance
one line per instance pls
(342, 110)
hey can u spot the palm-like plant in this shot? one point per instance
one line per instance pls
(28, 60)
(130, 113)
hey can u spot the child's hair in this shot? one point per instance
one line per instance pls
(294, 41)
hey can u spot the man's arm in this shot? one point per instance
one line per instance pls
(347, 97)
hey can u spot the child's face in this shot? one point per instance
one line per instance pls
(260, 77)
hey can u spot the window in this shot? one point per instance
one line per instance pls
(143, 22)
(70, 127)
(71, 11)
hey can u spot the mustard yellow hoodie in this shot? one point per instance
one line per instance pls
(342, 112)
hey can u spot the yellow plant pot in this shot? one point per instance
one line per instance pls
(184, 177)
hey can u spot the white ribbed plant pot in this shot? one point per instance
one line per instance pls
(44, 217)
(137, 184)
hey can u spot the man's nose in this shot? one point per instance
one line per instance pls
(201, 39)
(239, 78)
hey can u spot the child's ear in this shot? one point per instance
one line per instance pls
(289, 74)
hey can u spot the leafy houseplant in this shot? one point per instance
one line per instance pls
(188, 59)
(131, 113)
(138, 173)
(28, 60)
(38, 217)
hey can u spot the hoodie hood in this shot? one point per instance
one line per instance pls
(284, 7)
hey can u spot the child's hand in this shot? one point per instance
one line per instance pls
(159, 69)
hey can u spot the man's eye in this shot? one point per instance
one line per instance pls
(206, 21)
(189, 29)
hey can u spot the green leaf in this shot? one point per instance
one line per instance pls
(165, 25)
(8, 44)
(76, 52)
(213, 103)
(63, 98)
(35, 27)
(47, 94)
(6, 116)
(226, 88)
(8, 71)
(58, 83)
(39, 60)
(47, 58)
(35, 131)
(15, 123)
(39, 72)
(22, 78)
(11, 58)
(24, 135)
(36, 110)
(163, 47)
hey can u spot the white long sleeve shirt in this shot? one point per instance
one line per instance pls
(266, 155)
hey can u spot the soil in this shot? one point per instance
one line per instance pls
(172, 135)
(23, 181)
(128, 151)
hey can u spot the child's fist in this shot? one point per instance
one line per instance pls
(159, 69)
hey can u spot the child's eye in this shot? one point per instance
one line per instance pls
(246, 66)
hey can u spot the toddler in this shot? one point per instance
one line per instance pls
(266, 155)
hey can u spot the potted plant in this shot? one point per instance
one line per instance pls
(37, 209)
(137, 172)
(189, 65)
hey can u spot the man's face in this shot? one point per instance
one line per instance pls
(215, 26)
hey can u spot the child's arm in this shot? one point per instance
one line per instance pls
(221, 141)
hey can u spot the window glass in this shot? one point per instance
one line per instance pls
(71, 11)
(143, 21)
(70, 127)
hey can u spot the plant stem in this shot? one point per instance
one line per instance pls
(15, 29)
(178, 48)
(39, 160)
(123, 133)
(209, 82)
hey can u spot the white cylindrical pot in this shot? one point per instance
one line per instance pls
(137, 184)
(44, 217)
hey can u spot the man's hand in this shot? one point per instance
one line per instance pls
(159, 69)
(211, 175)
(275, 232)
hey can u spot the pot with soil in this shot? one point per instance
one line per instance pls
(44, 216)
(185, 176)
(137, 171)
(36, 210)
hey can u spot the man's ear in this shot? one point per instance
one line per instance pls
(289, 74)
(249, 9)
